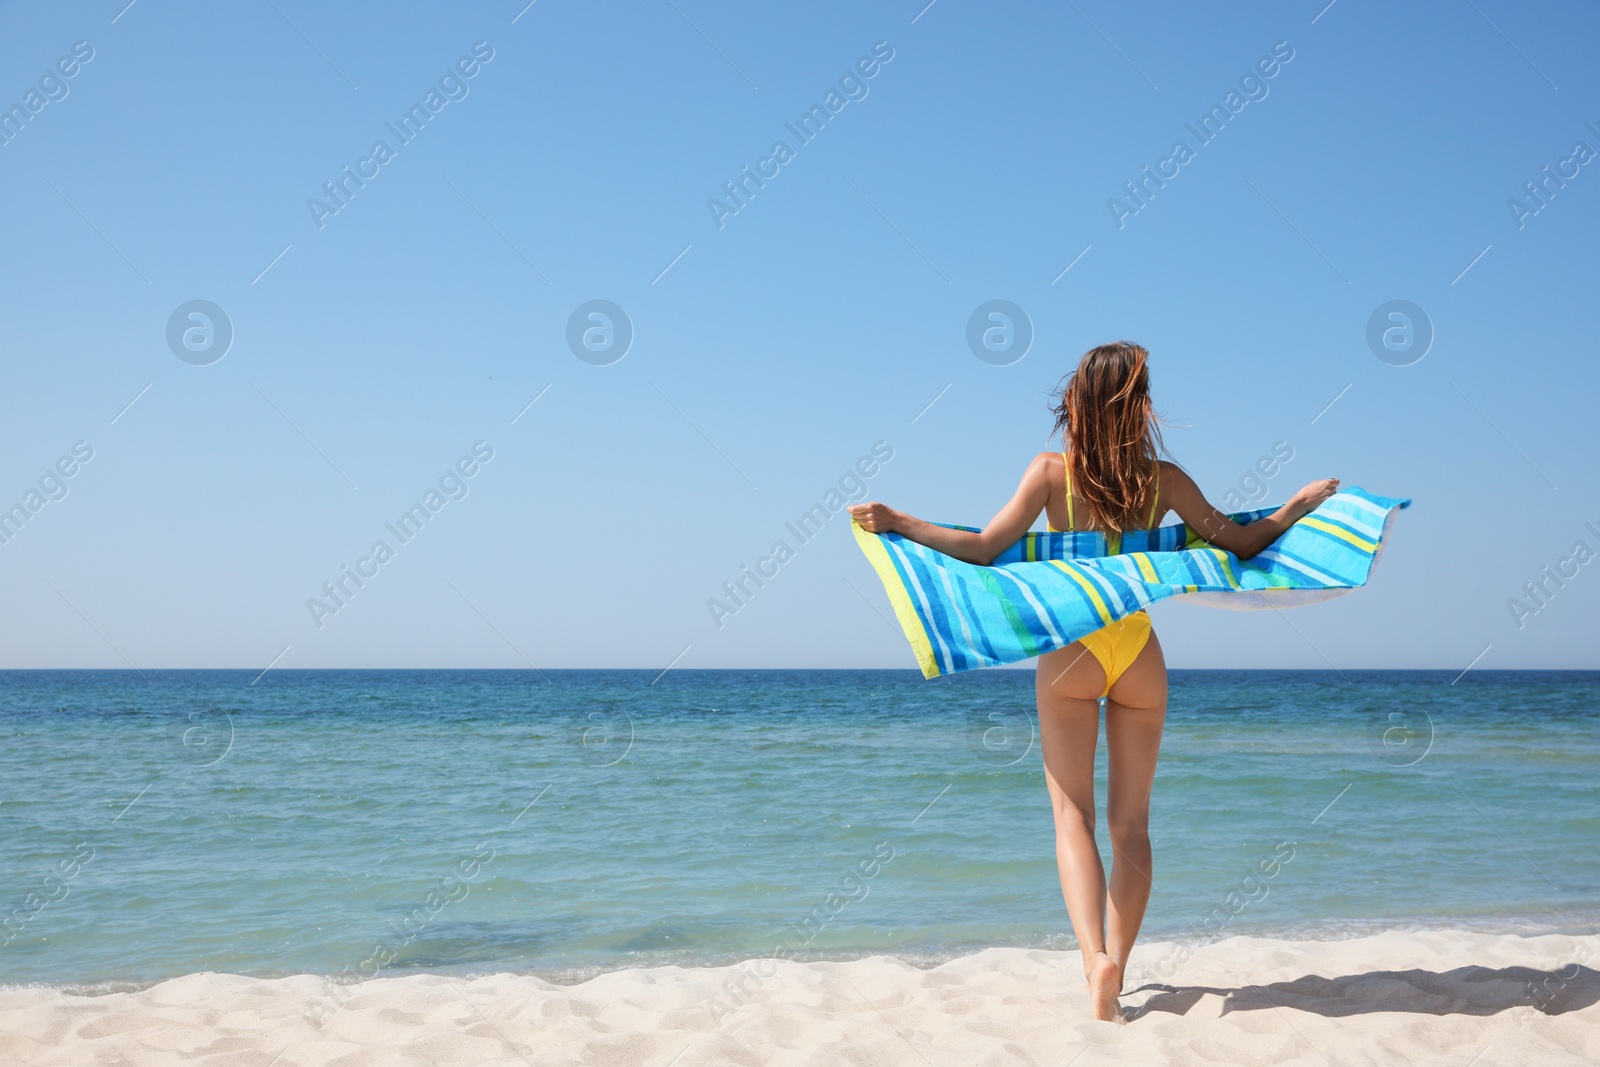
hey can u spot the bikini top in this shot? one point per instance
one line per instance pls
(1113, 539)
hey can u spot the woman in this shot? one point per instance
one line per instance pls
(1108, 479)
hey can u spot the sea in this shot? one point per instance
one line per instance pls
(354, 823)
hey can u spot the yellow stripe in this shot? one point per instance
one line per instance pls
(878, 556)
(1149, 572)
(1222, 561)
(1344, 535)
(1088, 587)
(1030, 544)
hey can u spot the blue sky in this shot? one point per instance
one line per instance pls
(774, 346)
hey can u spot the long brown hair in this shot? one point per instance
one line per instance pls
(1112, 435)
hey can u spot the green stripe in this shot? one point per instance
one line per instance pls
(1025, 635)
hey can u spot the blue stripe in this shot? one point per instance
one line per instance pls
(1045, 597)
(972, 611)
(942, 610)
(902, 565)
(1325, 566)
(975, 617)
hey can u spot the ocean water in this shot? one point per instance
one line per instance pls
(573, 822)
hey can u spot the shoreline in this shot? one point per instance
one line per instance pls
(1413, 996)
(1577, 925)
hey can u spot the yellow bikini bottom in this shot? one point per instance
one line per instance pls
(1116, 646)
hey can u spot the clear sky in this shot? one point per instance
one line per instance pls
(579, 152)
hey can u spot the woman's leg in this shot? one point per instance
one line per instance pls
(1067, 688)
(1136, 711)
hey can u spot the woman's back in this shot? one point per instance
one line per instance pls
(1065, 513)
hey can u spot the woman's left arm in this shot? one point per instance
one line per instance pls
(1003, 531)
(1200, 515)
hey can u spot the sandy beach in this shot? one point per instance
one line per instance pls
(1433, 997)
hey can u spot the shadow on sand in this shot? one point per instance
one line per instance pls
(1463, 991)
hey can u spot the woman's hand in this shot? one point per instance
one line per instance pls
(874, 517)
(971, 546)
(1311, 496)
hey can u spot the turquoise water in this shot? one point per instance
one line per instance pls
(566, 823)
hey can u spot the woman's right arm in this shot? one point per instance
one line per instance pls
(1184, 497)
(981, 547)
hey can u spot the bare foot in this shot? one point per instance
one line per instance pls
(1105, 985)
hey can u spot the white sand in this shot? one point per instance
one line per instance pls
(1416, 998)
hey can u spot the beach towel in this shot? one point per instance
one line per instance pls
(1049, 589)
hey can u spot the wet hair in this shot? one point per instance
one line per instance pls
(1112, 436)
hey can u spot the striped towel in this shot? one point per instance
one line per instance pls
(1049, 589)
